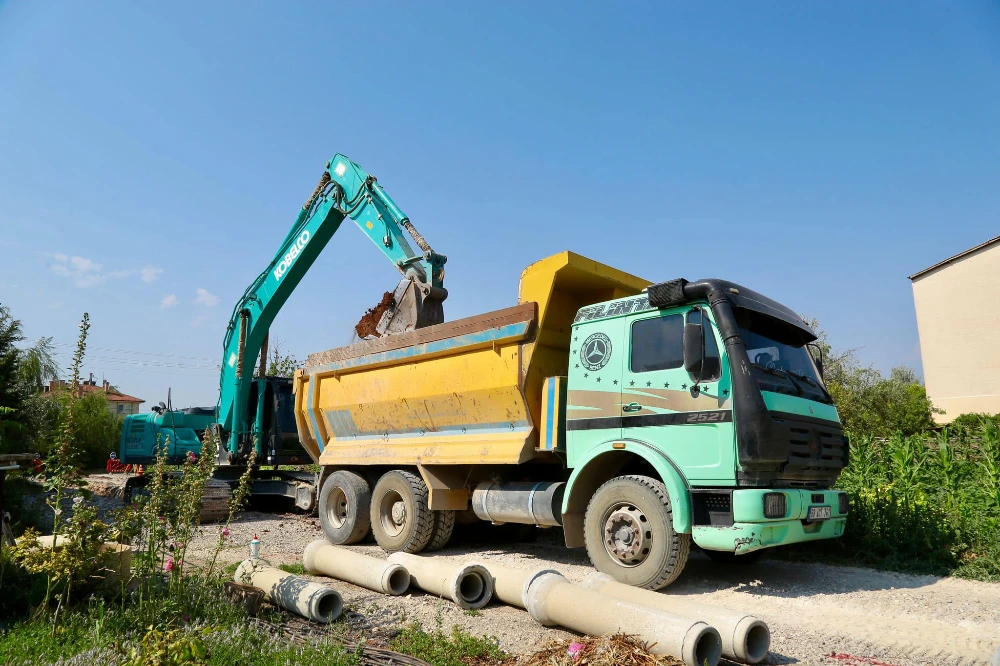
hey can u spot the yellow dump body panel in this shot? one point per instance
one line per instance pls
(465, 392)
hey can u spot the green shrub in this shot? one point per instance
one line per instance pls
(924, 503)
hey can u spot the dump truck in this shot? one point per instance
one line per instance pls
(638, 417)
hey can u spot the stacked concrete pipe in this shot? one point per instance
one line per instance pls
(468, 585)
(320, 557)
(744, 637)
(552, 600)
(316, 602)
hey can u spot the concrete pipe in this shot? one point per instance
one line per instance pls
(744, 637)
(468, 585)
(521, 502)
(320, 557)
(552, 600)
(509, 585)
(316, 602)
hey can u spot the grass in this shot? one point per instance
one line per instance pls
(106, 632)
(458, 648)
(295, 568)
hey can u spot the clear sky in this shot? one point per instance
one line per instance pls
(153, 155)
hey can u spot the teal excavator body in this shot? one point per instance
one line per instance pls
(255, 412)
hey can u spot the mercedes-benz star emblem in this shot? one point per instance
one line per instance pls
(595, 352)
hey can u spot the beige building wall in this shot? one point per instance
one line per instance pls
(958, 320)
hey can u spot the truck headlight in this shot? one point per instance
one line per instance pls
(775, 505)
(845, 503)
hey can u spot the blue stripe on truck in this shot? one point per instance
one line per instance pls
(515, 330)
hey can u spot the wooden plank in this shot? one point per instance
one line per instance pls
(483, 322)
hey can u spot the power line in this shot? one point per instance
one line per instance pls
(136, 351)
(143, 363)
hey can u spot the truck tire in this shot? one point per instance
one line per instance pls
(400, 517)
(629, 533)
(444, 525)
(345, 507)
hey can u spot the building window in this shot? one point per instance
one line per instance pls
(657, 344)
(121, 408)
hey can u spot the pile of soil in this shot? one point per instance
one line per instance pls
(369, 320)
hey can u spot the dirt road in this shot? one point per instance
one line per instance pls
(818, 614)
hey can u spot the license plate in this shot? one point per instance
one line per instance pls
(820, 513)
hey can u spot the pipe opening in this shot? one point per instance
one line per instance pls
(398, 581)
(472, 587)
(708, 647)
(329, 606)
(757, 643)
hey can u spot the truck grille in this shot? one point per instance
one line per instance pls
(817, 450)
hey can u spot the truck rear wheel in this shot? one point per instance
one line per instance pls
(400, 516)
(630, 534)
(444, 525)
(345, 507)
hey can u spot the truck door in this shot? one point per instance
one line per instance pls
(593, 399)
(688, 419)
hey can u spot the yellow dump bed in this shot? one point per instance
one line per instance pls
(464, 392)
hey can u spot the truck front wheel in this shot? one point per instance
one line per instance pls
(630, 534)
(400, 515)
(344, 507)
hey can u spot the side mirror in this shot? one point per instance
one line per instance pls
(817, 357)
(694, 350)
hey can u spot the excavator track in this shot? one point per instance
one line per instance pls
(215, 501)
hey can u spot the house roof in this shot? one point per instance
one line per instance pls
(112, 396)
(960, 255)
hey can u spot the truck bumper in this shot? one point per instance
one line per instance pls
(752, 530)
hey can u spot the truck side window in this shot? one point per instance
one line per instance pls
(713, 362)
(657, 344)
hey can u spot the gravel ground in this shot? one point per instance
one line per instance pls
(818, 614)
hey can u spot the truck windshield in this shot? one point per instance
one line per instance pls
(780, 359)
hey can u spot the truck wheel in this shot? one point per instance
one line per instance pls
(345, 507)
(400, 517)
(630, 535)
(444, 525)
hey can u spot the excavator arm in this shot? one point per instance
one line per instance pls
(345, 190)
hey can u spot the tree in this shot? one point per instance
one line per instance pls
(280, 364)
(13, 428)
(37, 365)
(96, 431)
(868, 402)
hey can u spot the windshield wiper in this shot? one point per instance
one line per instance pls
(812, 382)
(781, 373)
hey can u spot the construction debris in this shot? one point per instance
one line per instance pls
(617, 650)
(369, 320)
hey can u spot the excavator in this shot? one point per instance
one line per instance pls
(255, 413)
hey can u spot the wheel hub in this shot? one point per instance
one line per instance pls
(627, 535)
(398, 514)
(337, 508)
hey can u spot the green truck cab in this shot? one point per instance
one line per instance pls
(734, 441)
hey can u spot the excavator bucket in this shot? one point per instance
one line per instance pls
(409, 306)
(415, 305)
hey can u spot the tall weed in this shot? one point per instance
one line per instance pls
(927, 503)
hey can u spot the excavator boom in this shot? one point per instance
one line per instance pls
(345, 190)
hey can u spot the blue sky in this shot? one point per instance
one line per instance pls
(153, 155)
